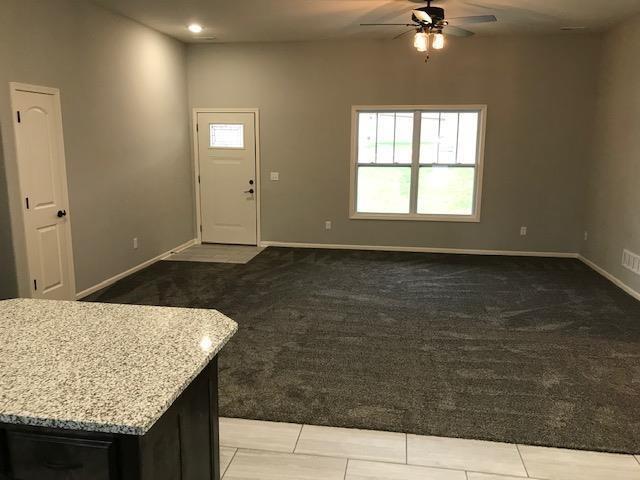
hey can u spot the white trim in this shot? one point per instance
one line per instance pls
(385, 248)
(137, 268)
(471, 107)
(196, 164)
(179, 248)
(14, 88)
(479, 166)
(615, 280)
(408, 217)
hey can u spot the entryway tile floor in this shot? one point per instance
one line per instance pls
(257, 450)
(215, 253)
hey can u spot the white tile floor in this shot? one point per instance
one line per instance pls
(256, 450)
(214, 253)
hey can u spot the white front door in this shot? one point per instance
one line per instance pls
(43, 183)
(227, 161)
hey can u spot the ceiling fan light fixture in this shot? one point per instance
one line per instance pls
(421, 41)
(438, 41)
(428, 21)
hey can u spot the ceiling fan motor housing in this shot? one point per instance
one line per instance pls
(436, 13)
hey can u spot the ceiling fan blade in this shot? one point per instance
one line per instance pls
(403, 34)
(388, 25)
(422, 16)
(457, 31)
(513, 13)
(473, 19)
(389, 13)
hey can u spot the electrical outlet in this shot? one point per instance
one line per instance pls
(135, 243)
(328, 225)
(523, 231)
(275, 176)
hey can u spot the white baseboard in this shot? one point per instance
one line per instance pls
(114, 279)
(610, 277)
(180, 248)
(458, 251)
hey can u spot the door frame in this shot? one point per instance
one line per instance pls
(196, 166)
(14, 88)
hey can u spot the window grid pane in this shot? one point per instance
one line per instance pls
(429, 137)
(403, 140)
(385, 138)
(446, 190)
(367, 136)
(383, 189)
(226, 135)
(449, 138)
(468, 138)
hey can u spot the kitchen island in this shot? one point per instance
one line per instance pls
(94, 391)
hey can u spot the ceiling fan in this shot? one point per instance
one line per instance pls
(431, 22)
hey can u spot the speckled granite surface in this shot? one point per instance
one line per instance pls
(99, 367)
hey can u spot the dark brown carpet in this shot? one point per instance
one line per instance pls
(529, 350)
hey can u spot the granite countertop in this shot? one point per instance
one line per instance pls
(101, 367)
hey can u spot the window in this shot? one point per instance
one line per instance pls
(226, 135)
(417, 163)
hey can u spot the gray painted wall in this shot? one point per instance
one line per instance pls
(538, 91)
(613, 200)
(125, 116)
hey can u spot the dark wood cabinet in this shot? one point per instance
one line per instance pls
(181, 445)
(34, 456)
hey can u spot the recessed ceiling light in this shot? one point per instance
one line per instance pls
(195, 28)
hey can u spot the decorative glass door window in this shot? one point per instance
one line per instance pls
(226, 135)
(418, 163)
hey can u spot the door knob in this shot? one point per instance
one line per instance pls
(62, 213)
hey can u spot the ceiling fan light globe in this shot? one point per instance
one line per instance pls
(421, 42)
(438, 41)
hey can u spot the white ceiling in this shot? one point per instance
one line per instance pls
(294, 20)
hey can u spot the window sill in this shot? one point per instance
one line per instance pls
(412, 217)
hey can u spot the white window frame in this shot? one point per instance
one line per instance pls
(479, 167)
